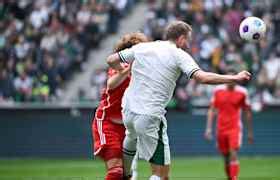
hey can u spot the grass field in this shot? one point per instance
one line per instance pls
(258, 168)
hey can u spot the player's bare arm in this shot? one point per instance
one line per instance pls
(210, 120)
(213, 78)
(118, 78)
(114, 61)
(249, 124)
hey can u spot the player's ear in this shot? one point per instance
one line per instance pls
(180, 40)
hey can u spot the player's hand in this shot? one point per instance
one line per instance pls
(208, 135)
(250, 138)
(126, 69)
(243, 76)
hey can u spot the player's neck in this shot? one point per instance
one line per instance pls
(230, 87)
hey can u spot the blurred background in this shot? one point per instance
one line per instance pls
(52, 69)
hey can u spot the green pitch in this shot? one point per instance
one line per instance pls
(258, 168)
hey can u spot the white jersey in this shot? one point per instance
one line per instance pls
(156, 67)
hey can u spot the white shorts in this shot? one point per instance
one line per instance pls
(151, 135)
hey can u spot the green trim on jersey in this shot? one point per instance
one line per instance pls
(158, 156)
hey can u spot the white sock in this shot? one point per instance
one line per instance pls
(134, 167)
(154, 177)
(129, 151)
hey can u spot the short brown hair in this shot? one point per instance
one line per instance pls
(129, 40)
(175, 29)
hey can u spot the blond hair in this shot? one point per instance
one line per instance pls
(130, 40)
(177, 28)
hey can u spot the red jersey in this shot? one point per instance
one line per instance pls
(110, 103)
(229, 104)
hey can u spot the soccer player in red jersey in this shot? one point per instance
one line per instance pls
(107, 127)
(228, 101)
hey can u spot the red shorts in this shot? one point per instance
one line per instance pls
(229, 141)
(108, 138)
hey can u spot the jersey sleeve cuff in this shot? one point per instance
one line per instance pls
(192, 72)
(122, 58)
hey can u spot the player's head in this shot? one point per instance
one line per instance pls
(231, 71)
(129, 40)
(180, 33)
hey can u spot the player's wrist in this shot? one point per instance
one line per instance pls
(234, 78)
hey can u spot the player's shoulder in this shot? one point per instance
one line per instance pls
(164, 44)
(145, 46)
(241, 89)
(150, 43)
(181, 54)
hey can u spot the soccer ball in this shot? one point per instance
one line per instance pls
(252, 29)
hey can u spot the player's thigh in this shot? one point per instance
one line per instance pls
(111, 151)
(235, 141)
(146, 129)
(153, 144)
(147, 125)
(103, 132)
(114, 135)
(110, 141)
(223, 143)
(129, 121)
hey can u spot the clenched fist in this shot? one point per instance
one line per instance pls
(243, 76)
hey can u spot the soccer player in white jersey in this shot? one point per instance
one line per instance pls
(155, 68)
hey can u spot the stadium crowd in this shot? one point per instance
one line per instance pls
(216, 45)
(43, 42)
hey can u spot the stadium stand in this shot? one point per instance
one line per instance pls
(216, 45)
(43, 42)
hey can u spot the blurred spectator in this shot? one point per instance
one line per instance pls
(114, 15)
(84, 15)
(40, 15)
(51, 72)
(41, 89)
(269, 78)
(6, 86)
(23, 86)
(98, 81)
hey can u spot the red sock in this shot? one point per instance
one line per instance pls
(234, 170)
(115, 173)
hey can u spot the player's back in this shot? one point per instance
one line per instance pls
(229, 103)
(154, 73)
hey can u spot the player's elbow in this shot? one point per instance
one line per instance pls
(110, 60)
(203, 80)
(201, 77)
